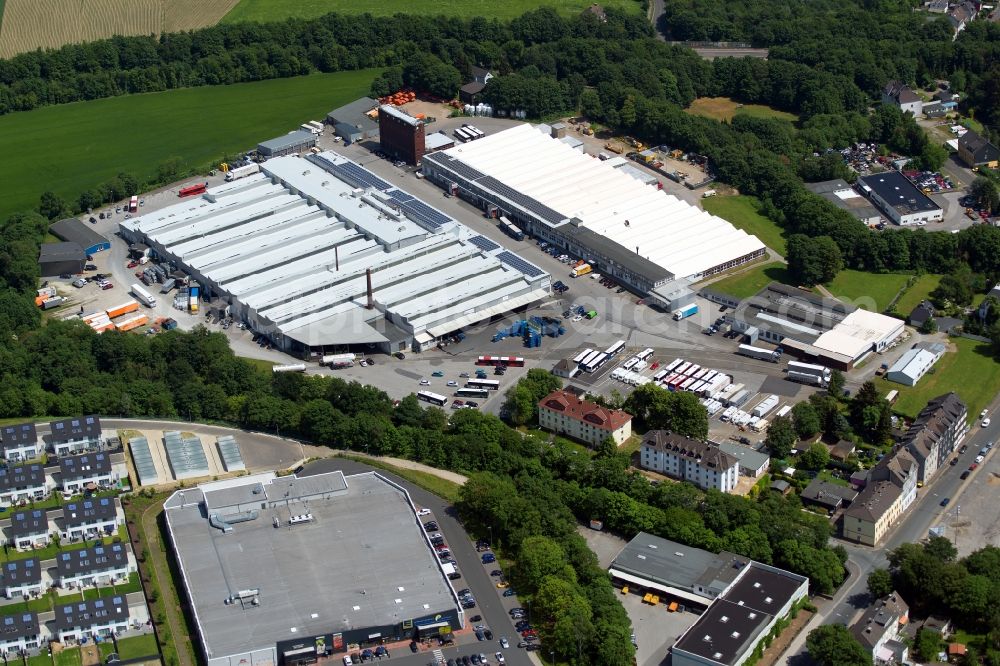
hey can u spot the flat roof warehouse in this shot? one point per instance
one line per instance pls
(559, 192)
(359, 571)
(289, 249)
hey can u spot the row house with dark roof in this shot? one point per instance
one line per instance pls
(22, 578)
(23, 483)
(97, 565)
(90, 518)
(20, 442)
(80, 471)
(27, 529)
(702, 463)
(91, 619)
(19, 632)
(936, 433)
(74, 435)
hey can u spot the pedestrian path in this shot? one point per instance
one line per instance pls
(438, 656)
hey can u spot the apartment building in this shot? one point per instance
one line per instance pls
(891, 489)
(701, 463)
(936, 433)
(566, 414)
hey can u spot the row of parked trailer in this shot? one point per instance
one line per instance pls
(468, 132)
(590, 360)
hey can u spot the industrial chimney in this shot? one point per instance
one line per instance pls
(371, 301)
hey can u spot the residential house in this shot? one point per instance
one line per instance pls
(899, 94)
(22, 483)
(828, 496)
(891, 489)
(93, 618)
(842, 450)
(698, 462)
(936, 109)
(961, 15)
(920, 314)
(75, 435)
(976, 151)
(20, 442)
(566, 414)
(90, 518)
(27, 529)
(78, 472)
(752, 463)
(470, 92)
(936, 432)
(941, 625)
(880, 627)
(937, 6)
(98, 565)
(19, 633)
(566, 369)
(22, 578)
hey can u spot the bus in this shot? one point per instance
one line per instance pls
(463, 134)
(191, 190)
(615, 349)
(595, 363)
(472, 393)
(578, 359)
(659, 375)
(645, 354)
(512, 361)
(693, 370)
(487, 384)
(673, 364)
(432, 398)
(629, 364)
(590, 359)
(682, 368)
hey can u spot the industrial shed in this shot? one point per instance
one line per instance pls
(355, 121)
(294, 142)
(915, 363)
(321, 256)
(72, 230)
(638, 234)
(60, 258)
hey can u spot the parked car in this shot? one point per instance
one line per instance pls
(965, 475)
(424, 382)
(424, 512)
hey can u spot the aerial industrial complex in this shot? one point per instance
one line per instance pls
(286, 569)
(638, 234)
(320, 254)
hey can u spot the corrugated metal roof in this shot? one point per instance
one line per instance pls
(229, 451)
(186, 455)
(142, 458)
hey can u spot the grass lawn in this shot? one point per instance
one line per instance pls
(970, 372)
(276, 10)
(871, 291)
(742, 212)
(440, 487)
(920, 290)
(260, 364)
(750, 282)
(137, 646)
(39, 659)
(724, 108)
(68, 657)
(71, 147)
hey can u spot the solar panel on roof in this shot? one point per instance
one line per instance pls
(483, 243)
(519, 264)
(419, 211)
(522, 200)
(351, 172)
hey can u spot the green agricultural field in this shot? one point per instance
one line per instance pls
(971, 372)
(724, 109)
(276, 10)
(871, 291)
(72, 147)
(750, 282)
(742, 212)
(920, 291)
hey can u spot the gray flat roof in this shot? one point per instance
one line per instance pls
(64, 251)
(897, 190)
(362, 561)
(674, 564)
(72, 230)
(290, 140)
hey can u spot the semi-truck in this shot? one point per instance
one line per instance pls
(242, 172)
(338, 360)
(124, 308)
(807, 378)
(685, 312)
(132, 322)
(142, 295)
(819, 371)
(759, 353)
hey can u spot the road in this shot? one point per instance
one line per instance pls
(475, 576)
(924, 513)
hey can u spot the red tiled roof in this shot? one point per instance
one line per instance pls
(583, 410)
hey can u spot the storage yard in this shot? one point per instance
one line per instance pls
(320, 254)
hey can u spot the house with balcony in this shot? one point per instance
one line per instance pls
(19, 632)
(90, 518)
(75, 435)
(27, 529)
(22, 578)
(79, 472)
(20, 442)
(22, 484)
(97, 565)
(702, 463)
(91, 619)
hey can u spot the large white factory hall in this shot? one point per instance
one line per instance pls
(320, 254)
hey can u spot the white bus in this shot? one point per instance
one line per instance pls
(590, 359)
(673, 364)
(432, 398)
(615, 349)
(595, 363)
(659, 375)
(316, 124)
(682, 368)
(463, 134)
(645, 354)
(629, 364)
(472, 393)
(578, 359)
(693, 370)
(488, 384)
